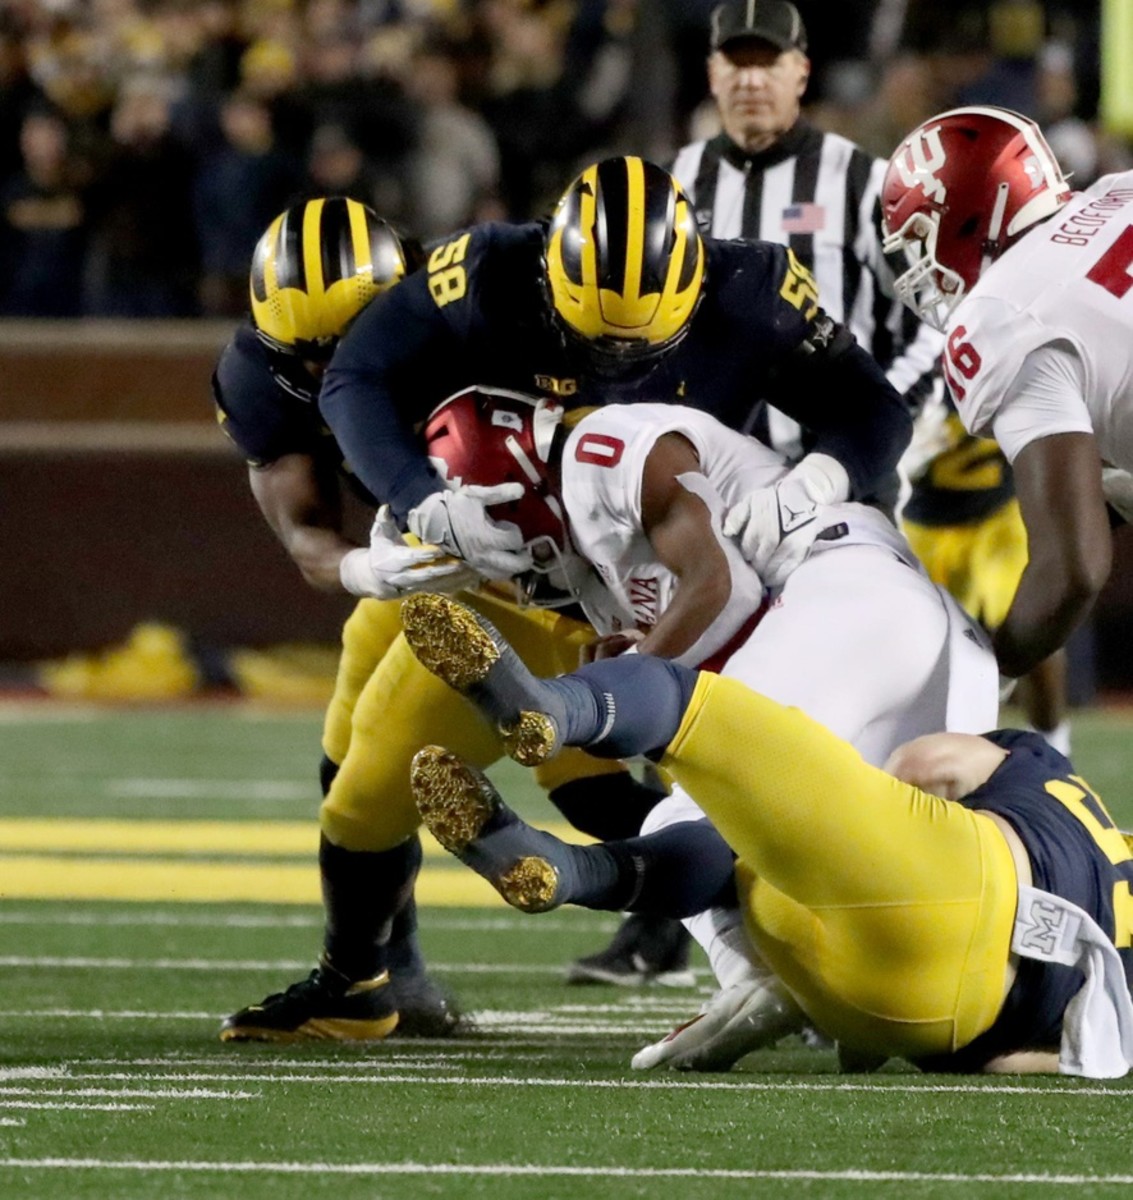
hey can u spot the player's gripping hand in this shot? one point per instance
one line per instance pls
(459, 522)
(389, 567)
(776, 526)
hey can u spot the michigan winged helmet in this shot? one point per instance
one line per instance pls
(624, 262)
(316, 267)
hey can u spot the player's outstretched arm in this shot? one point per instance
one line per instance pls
(1058, 481)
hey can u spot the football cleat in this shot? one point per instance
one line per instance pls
(472, 656)
(644, 950)
(326, 1006)
(466, 814)
(739, 1019)
(424, 1009)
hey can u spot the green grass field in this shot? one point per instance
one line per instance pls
(156, 871)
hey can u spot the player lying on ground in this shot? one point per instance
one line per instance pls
(953, 930)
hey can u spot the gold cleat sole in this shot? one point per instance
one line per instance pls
(531, 740)
(449, 797)
(322, 1029)
(448, 640)
(530, 885)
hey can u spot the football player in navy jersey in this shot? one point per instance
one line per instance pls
(619, 299)
(316, 268)
(968, 908)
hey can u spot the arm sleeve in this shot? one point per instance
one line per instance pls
(833, 387)
(1044, 398)
(386, 376)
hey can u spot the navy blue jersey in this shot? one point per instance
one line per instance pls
(478, 315)
(1076, 852)
(265, 416)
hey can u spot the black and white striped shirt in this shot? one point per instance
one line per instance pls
(819, 194)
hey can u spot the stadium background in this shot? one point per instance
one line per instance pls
(144, 145)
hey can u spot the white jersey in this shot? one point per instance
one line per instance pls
(603, 464)
(1043, 344)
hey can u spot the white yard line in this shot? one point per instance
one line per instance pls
(98, 1014)
(674, 1082)
(33, 1073)
(28, 1105)
(166, 1093)
(211, 789)
(436, 921)
(439, 1060)
(537, 1170)
(85, 963)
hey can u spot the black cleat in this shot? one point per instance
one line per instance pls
(326, 1006)
(644, 950)
(465, 813)
(472, 656)
(425, 1010)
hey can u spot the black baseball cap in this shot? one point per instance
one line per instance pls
(774, 21)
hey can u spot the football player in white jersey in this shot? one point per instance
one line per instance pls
(1032, 285)
(627, 506)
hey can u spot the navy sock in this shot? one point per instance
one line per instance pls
(606, 806)
(362, 892)
(404, 950)
(675, 872)
(623, 706)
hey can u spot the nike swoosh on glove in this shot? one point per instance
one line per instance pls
(776, 526)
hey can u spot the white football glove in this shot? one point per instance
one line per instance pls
(1118, 488)
(458, 521)
(776, 526)
(389, 567)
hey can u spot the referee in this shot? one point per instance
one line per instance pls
(773, 176)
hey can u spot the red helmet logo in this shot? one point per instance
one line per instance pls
(488, 436)
(961, 189)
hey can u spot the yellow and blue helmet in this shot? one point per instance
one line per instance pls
(316, 267)
(624, 261)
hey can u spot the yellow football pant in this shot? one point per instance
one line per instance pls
(887, 912)
(386, 706)
(980, 564)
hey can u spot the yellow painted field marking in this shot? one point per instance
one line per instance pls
(248, 838)
(40, 877)
(170, 861)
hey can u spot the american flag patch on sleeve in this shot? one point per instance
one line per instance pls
(803, 218)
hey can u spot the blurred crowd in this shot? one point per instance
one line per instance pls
(145, 144)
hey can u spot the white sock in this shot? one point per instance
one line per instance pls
(720, 933)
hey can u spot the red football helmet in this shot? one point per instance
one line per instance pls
(960, 189)
(488, 436)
